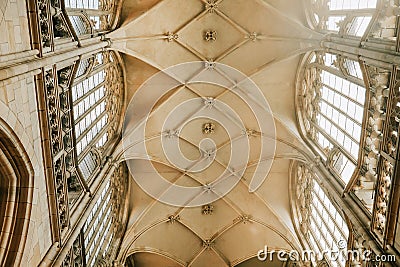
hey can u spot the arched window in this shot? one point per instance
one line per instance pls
(332, 100)
(102, 226)
(320, 222)
(345, 17)
(349, 109)
(91, 16)
(97, 101)
(84, 103)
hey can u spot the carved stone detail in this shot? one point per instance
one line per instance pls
(310, 97)
(249, 132)
(208, 188)
(210, 64)
(207, 209)
(171, 36)
(114, 84)
(75, 257)
(67, 185)
(253, 36)
(208, 244)
(210, 36)
(117, 198)
(172, 134)
(304, 196)
(211, 6)
(208, 128)
(209, 102)
(174, 218)
(52, 23)
(245, 218)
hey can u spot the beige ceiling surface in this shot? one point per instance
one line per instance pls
(262, 39)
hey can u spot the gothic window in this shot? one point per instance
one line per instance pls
(91, 16)
(333, 99)
(101, 228)
(98, 224)
(319, 220)
(346, 17)
(96, 99)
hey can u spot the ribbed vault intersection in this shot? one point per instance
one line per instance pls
(188, 134)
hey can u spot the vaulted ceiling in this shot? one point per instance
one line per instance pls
(264, 40)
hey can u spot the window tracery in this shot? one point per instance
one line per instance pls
(333, 107)
(89, 90)
(104, 224)
(345, 17)
(319, 220)
(96, 100)
(354, 125)
(91, 16)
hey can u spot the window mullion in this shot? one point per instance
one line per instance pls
(108, 223)
(77, 101)
(98, 209)
(108, 207)
(326, 241)
(94, 140)
(95, 105)
(323, 236)
(326, 226)
(327, 136)
(340, 93)
(340, 111)
(337, 126)
(91, 126)
(94, 70)
(330, 215)
(352, 12)
(313, 234)
(338, 73)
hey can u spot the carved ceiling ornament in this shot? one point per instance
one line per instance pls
(253, 36)
(208, 244)
(210, 36)
(211, 6)
(209, 102)
(210, 64)
(174, 218)
(170, 36)
(209, 128)
(207, 209)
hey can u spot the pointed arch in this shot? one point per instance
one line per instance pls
(16, 192)
(319, 221)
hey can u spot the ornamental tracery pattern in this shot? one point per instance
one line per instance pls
(89, 17)
(388, 157)
(97, 99)
(332, 98)
(320, 222)
(371, 178)
(52, 21)
(69, 168)
(104, 227)
(64, 21)
(346, 18)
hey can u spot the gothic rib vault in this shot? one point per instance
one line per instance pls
(262, 39)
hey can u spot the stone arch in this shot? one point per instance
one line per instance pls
(16, 192)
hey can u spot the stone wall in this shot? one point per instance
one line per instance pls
(19, 110)
(14, 30)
